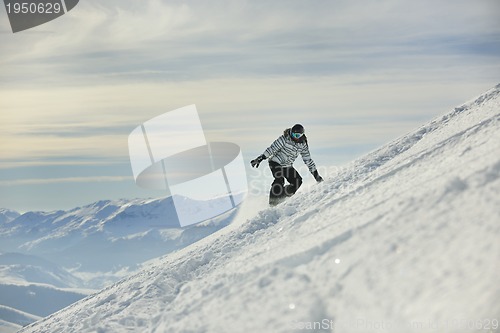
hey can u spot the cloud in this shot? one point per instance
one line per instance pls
(45, 181)
(179, 41)
(356, 73)
(93, 122)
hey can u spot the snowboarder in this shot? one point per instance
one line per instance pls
(282, 153)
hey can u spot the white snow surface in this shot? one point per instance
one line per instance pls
(404, 239)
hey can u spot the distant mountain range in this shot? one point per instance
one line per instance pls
(42, 254)
(103, 236)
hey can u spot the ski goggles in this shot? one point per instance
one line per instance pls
(297, 135)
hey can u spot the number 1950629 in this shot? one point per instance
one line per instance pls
(33, 8)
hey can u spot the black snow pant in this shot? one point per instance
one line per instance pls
(278, 188)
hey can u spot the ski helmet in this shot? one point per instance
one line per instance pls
(297, 131)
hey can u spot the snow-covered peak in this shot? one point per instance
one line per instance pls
(404, 239)
(7, 215)
(126, 214)
(17, 268)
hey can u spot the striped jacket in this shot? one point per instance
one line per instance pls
(284, 151)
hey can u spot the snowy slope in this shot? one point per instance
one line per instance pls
(404, 239)
(20, 268)
(7, 215)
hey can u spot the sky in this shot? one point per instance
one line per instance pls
(356, 74)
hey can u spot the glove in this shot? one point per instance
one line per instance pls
(316, 176)
(255, 163)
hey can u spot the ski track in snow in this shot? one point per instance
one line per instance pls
(403, 238)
